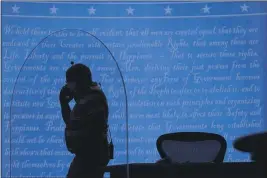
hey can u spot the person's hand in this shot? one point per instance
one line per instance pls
(65, 95)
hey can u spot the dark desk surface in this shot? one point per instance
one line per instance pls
(139, 170)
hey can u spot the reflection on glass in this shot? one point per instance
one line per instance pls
(40, 101)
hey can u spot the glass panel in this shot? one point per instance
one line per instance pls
(36, 114)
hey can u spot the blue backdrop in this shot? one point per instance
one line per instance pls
(187, 67)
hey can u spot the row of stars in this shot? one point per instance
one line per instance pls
(130, 10)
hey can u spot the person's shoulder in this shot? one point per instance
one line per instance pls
(94, 95)
(96, 90)
(95, 87)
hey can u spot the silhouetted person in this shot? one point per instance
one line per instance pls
(86, 124)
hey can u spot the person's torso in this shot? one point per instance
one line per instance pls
(91, 135)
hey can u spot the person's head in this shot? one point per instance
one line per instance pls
(78, 77)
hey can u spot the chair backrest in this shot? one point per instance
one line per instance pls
(194, 147)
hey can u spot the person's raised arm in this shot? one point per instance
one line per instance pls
(65, 97)
(65, 112)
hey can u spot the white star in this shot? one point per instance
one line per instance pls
(53, 10)
(168, 10)
(15, 9)
(206, 9)
(244, 8)
(91, 10)
(130, 11)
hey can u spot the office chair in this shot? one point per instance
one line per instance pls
(194, 147)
